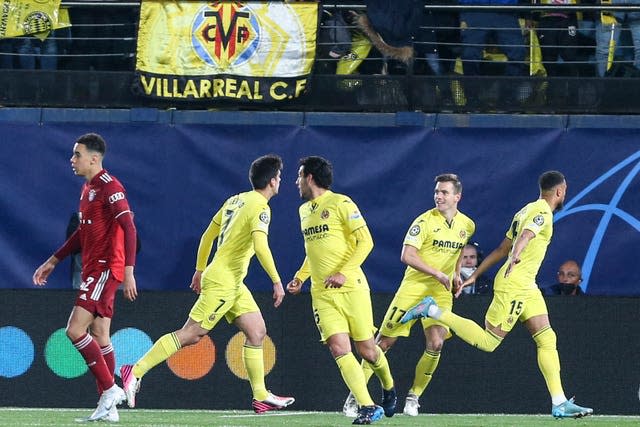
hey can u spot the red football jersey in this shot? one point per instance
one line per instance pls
(102, 200)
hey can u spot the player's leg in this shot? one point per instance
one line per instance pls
(100, 332)
(77, 327)
(350, 407)
(212, 304)
(358, 310)
(339, 345)
(435, 336)
(247, 317)
(537, 322)
(497, 323)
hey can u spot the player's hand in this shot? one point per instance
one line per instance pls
(512, 263)
(336, 280)
(457, 283)
(129, 284)
(444, 279)
(295, 286)
(278, 294)
(470, 281)
(42, 273)
(195, 282)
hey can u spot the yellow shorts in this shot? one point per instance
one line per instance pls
(508, 306)
(344, 312)
(405, 298)
(215, 302)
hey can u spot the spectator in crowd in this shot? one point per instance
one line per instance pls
(608, 35)
(471, 258)
(391, 27)
(34, 53)
(557, 32)
(503, 25)
(569, 279)
(6, 53)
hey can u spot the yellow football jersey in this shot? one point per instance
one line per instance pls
(239, 217)
(538, 218)
(438, 243)
(327, 224)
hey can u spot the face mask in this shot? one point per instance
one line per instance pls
(465, 272)
(566, 289)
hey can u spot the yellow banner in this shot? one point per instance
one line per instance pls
(31, 17)
(253, 51)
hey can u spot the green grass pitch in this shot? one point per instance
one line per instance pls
(27, 417)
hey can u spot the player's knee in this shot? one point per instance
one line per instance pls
(386, 343)
(489, 342)
(545, 339)
(255, 337)
(435, 345)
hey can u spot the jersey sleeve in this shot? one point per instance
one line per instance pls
(260, 219)
(351, 215)
(537, 220)
(416, 234)
(116, 198)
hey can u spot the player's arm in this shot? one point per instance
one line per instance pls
(295, 285)
(457, 279)
(125, 220)
(204, 250)
(412, 258)
(521, 242)
(263, 253)
(495, 256)
(71, 245)
(362, 249)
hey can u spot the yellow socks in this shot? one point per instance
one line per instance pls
(471, 332)
(162, 349)
(380, 368)
(549, 362)
(353, 376)
(424, 372)
(254, 363)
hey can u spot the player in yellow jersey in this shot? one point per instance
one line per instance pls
(241, 227)
(432, 252)
(516, 294)
(337, 241)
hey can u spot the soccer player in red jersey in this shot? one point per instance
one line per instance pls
(107, 238)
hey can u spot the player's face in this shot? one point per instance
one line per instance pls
(276, 183)
(469, 257)
(445, 197)
(562, 193)
(81, 160)
(303, 185)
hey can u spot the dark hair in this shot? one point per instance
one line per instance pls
(93, 142)
(452, 178)
(320, 168)
(263, 170)
(550, 180)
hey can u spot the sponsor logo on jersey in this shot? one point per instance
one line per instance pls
(414, 231)
(355, 215)
(538, 220)
(116, 196)
(316, 229)
(447, 244)
(264, 217)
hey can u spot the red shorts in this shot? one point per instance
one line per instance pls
(97, 292)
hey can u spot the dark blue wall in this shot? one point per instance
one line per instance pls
(178, 167)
